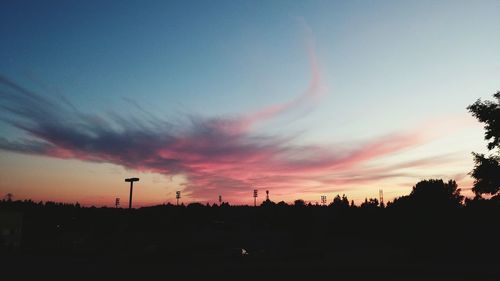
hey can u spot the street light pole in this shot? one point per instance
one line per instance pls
(131, 180)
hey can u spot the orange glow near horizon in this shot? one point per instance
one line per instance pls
(98, 184)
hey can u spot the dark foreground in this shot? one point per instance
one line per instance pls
(66, 242)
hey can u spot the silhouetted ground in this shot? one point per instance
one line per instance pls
(282, 242)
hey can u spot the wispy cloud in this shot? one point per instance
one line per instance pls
(209, 152)
(311, 95)
(223, 155)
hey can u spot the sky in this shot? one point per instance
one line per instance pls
(301, 98)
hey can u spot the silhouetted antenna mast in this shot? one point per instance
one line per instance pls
(323, 200)
(117, 202)
(177, 196)
(267, 195)
(381, 197)
(255, 192)
(220, 200)
(131, 180)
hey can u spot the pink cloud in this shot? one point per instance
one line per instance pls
(216, 155)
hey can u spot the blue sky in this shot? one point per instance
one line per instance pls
(386, 66)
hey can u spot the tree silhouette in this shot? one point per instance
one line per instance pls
(299, 203)
(352, 204)
(195, 205)
(282, 204)
(486, 170)
(436, 192)
(433, 193)
(268, 203)
(9, 197)
(488, 112)
(370, 203)
(340, 202)
(486, 174)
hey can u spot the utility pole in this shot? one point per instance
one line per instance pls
(220, 200)
(267, 195)
(131, 180)
(255, 197)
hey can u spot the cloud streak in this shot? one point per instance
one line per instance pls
(214, 157)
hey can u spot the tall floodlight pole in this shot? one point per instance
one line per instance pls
(381, 196)
(131, 180)
(177, 196)
(255, 197)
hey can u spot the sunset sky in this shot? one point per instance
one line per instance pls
(301, 98)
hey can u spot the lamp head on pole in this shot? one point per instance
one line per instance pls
(132, 179)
